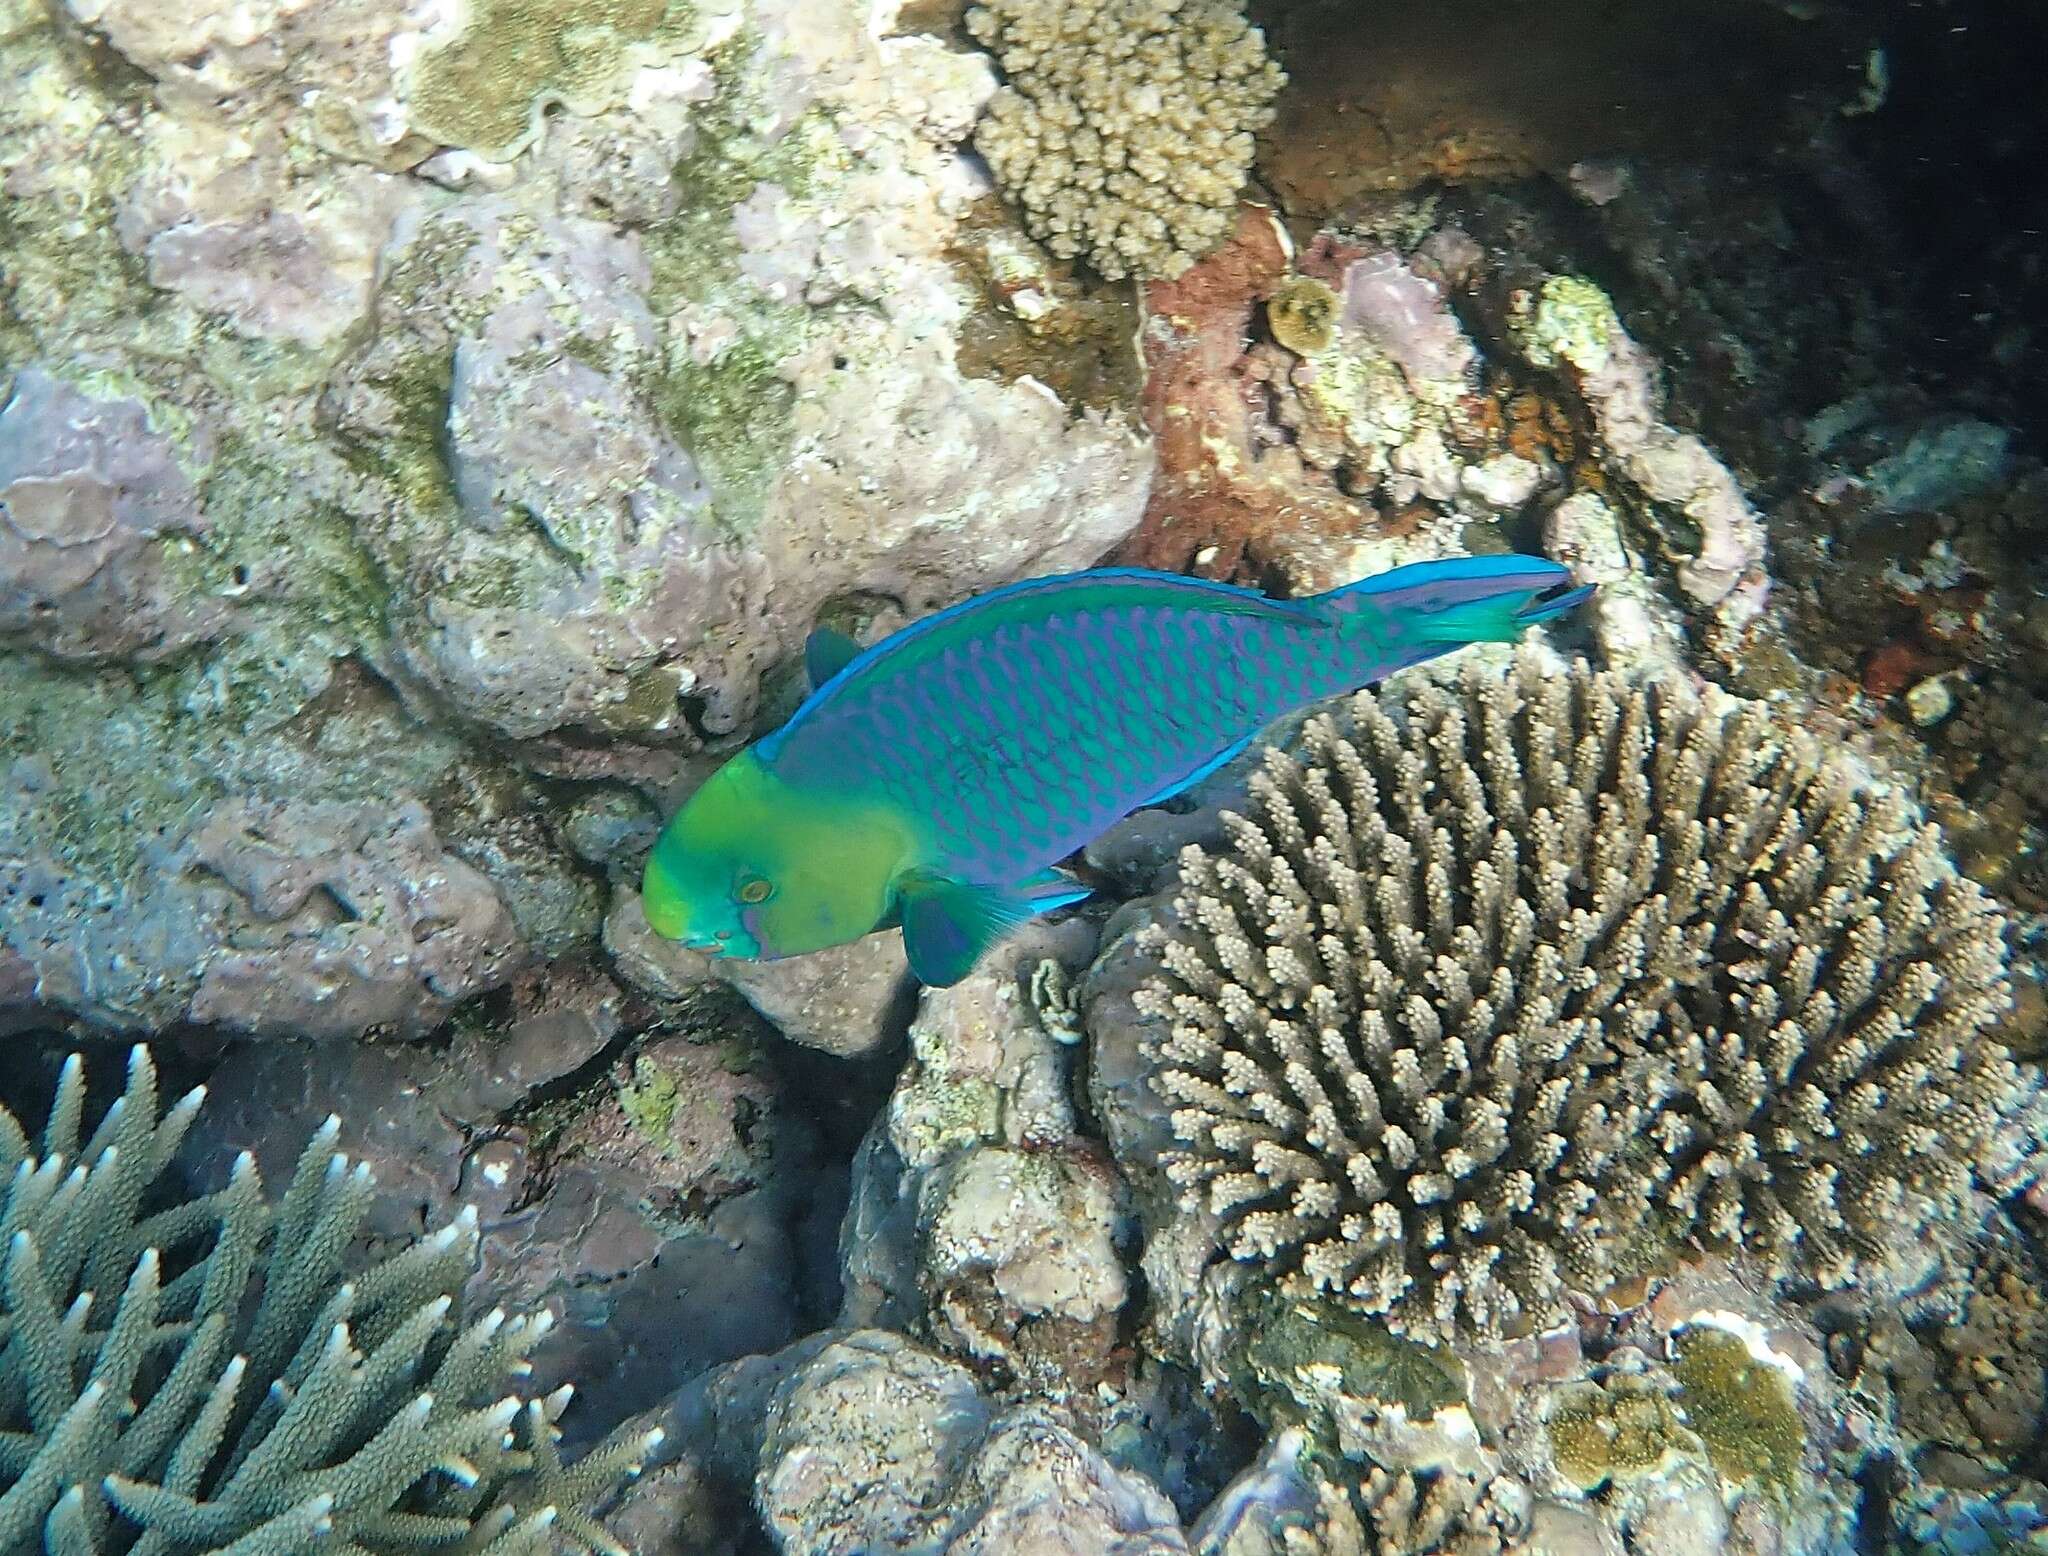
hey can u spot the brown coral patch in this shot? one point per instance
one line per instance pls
(1218, 508)
(1472, 90)
(1048, 324)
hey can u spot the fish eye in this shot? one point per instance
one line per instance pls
(754, 889)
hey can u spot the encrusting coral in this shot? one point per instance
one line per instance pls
(201, 1376)
(1510, 990)
(1302, 314)
(1125, 129)
(1742, 1407)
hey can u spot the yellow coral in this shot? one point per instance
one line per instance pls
(1612, 1431)
(1302, 314)
(479, 90)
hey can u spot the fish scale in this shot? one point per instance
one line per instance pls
(1022, 807)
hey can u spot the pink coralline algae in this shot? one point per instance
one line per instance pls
(92, 501)
(1406, 316)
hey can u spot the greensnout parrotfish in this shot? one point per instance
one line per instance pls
(935, 779)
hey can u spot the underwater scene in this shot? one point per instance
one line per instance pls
(1023, 778)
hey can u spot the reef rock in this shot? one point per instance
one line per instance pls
(275, 883)
(872, 1447)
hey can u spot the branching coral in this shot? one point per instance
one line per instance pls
(1125, 129)
(1502, 994)
(1403, 1513)
(202, 1377)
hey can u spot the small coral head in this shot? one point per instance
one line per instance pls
(755, 869)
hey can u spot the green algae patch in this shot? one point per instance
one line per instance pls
(485, 88)
(1571, 320)
(722, 395)
(1286, 1337)
(650, 1100)
(264, 539)
(735, 415)
(63, 271)
(1743, 1409)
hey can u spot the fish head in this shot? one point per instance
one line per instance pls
(752, 869)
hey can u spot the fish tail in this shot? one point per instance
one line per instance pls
(1473, 599)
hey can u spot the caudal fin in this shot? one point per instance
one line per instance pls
(1472, 599)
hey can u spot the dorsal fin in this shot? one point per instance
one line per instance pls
(1101, 588)
(826, 652)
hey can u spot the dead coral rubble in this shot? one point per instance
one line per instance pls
(1501, 993)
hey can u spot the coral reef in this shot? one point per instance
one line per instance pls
(1432, 405)
(428, 432)
(1124, 128)
(1757, 1017)
(873, 1446)
(212, 1375)
(1568, 325)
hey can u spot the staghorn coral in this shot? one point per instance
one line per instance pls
(1502, 994)
(202, 1377)
(1125, 131)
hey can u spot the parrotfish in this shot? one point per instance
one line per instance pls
(935, 779)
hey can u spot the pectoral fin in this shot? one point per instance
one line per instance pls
(826, 653)
(948, 924)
